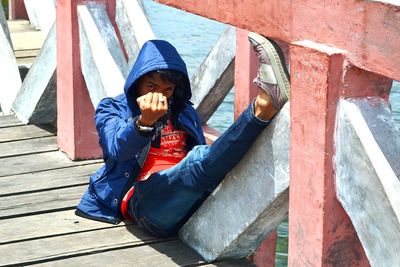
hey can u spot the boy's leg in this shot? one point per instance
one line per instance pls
(167, 199)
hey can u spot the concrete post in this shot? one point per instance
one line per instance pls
(77, 135)
(320, 232)
(9, 74)
(245, 91)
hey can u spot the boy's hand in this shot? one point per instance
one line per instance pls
(152, 106)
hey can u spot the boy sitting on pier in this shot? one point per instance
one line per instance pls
(157, 168)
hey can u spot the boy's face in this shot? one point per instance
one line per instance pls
(153, 83)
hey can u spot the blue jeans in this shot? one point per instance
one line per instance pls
(166, 200)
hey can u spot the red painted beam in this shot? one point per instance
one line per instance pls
(76, 133)
(368, 31)
(17, 10)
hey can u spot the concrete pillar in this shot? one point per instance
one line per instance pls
(77, 135)
(103, 64)
(4, 26)
(17, 10)
(36, 101)
(367, 183)
(9, 74)
(320, 232)
(41, 15)
(245, 90)
(231, 225)
(133, 26)
(215, 76)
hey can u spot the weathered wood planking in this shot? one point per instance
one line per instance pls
(52, 200)
(171, 253)
(47, 225)
(9, 120)
(235, 263)
(28, 182)
(24, 132)
(38, 162)
(26, 53)
(58, 247)
(23, 147)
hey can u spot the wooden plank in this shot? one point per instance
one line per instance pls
(26, 53)
(38, 162)
(25, 61)
(171, 253)
(47, 225)
(20, 26)
(23, 147)
(51, 200)
(58, 247)
(51, 179)
(28, 40)
(9, 120)
(25, 132)
(232, 263)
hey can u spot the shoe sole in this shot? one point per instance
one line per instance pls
(277, 60)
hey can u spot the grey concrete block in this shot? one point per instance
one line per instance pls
(134, 27)
(36, 101)
(215, 76)
(9, 74)
(249, 203)
(103, 64)
(42, 14)
(4, 25)
(367, 163)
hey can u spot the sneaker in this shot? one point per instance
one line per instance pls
(272, 74)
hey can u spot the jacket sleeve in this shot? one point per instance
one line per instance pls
(118, 135)
(199, 129)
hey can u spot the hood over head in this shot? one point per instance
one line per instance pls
(156, 55)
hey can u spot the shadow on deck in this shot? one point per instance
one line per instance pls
(39, 188)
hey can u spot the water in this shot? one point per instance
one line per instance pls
(194, 36)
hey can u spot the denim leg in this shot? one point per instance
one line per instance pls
(164, 202)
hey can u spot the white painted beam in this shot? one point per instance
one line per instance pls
(134, 27)
(249, 203)
(36, 102)
(103, 64)
(215, 77)
(42, 14)
(9, 74)
(367, 176)
(4, 25)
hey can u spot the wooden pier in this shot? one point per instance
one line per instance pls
(26, 41)
(39, 188)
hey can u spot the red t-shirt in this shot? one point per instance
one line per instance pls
(172, 150)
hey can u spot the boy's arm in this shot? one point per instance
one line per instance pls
(118, 136)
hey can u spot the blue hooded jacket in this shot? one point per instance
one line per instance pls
(123, 146)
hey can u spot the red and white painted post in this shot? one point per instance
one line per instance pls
(245, 90)
(76, 133)
(321, 233)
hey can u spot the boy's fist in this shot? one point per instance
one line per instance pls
(152, 106)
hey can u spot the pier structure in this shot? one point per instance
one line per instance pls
(335, 143)
(339, 51)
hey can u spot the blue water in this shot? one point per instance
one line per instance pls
(194, 36)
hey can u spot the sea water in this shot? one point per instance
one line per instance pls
(194, 36)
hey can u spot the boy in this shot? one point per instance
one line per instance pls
(158, 169)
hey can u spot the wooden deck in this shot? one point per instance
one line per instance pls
(26, 41)
(39, 188)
